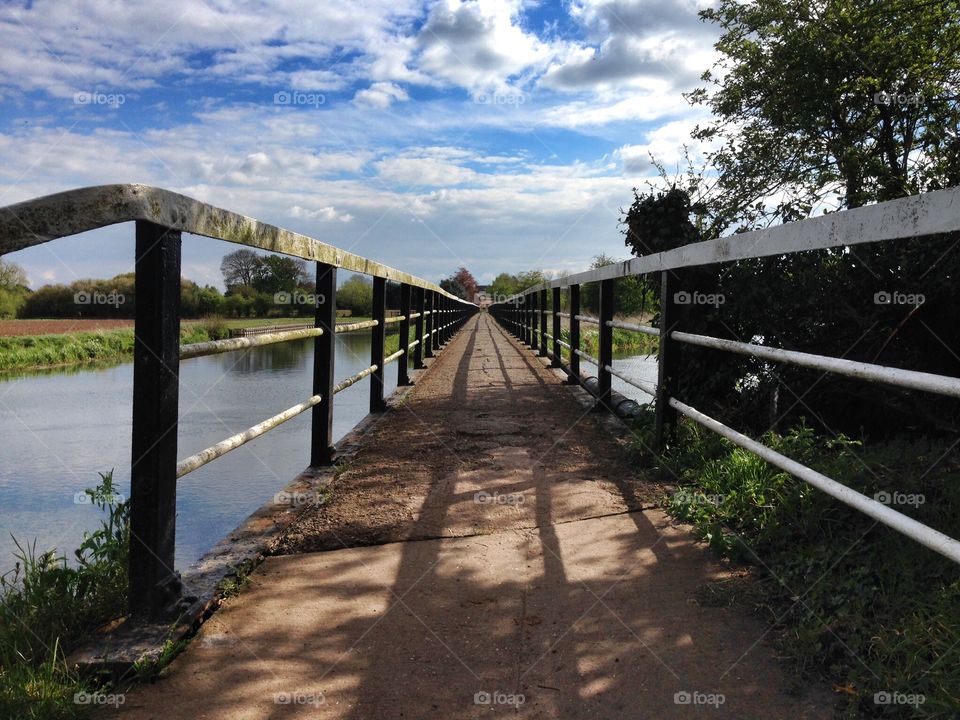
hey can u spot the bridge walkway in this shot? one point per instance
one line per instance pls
(489, 550)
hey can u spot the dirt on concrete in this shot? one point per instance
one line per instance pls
(489, 433)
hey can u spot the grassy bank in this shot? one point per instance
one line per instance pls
(29, 352)
(625, 342)
(48, 606)
(38, 351)
(873, 614)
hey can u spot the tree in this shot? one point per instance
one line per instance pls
(840, 101)
(467, 281)
(452, 286)
(356, 295)
(503, 286)
(818, 106)
(529, 278)
(12, 276)
(13, 289)
(278, 273)
(240, 267)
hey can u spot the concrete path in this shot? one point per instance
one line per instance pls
(490, 551)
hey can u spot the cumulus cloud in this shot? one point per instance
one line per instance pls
(402, 161)
(328, 213)
(480, 44)
(65, 47)
(669, 144)
(380, 95)
(631, 42)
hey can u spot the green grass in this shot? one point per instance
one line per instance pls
(624, 342)
(854, 603)
(39, 351)
(29, 352)
(47, 350)
(47, 606)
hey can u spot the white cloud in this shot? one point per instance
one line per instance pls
(635, 43)
(670, 145)
(401, 162)
(380, 95)
(423, 172)
(479, 45)
(65, 47)
(328, 213)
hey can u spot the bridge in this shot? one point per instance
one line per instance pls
(480, 542)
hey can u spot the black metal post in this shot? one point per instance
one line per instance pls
(665, 416)
(445, 319)
(534, 320)
(556, 328)
(376, 346)
(604, 378)
(543, 322)
(154, 584)
(574, 335)
(418, 348)
(430, 324)
(437, 321)
(403, 369)
(324, 352)
(527, 320)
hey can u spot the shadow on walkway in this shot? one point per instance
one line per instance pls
(485, 555)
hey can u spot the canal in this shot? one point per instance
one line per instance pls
(62, 427)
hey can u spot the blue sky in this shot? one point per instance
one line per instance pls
(500, 135)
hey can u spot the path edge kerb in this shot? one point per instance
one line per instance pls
(115, 652)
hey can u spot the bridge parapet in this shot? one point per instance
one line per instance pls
(160, 217)
(525, 315)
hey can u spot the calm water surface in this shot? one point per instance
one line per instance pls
(59, 429)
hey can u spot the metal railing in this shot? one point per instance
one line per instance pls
(160, 217)
(525, 316)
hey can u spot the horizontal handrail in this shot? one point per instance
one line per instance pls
(933, 539)
(344, 384)
(351, 327)
(585, 356)
(394, 319)
(587, 319)
(648, 388)
(244, 332)
(647, 329)
(394, 356)
(201, 458)
(940, 384)
(34, 222)
(214, 347)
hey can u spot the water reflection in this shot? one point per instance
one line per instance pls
(60, 427)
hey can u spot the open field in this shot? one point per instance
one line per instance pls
(18, 328)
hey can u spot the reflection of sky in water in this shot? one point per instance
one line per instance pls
(640, 367)
(59, 429)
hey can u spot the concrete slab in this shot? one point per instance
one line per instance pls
(590, 619)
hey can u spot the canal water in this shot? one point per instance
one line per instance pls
(60, 428)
